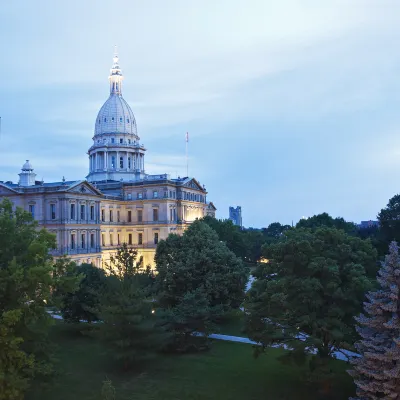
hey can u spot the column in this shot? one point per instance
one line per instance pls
(105, 160)
(117, 167)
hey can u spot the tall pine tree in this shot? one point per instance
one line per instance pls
(377, 372)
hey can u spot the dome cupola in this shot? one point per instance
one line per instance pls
(116, 153)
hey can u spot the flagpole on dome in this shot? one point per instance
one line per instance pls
(187, 156)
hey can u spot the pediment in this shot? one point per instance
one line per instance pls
(193, 184)
(5, 190)
(83, 188)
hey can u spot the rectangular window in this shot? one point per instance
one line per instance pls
(83, 242)
(82, 211)
(111, 240)
(118, 242)
(72, 211)
(173, 194)
(170, 194)
(121, 140)
(166, 194)
(92, 240)
(32, 210)
(155, 237)
(52, 211)
(140, 215)
(174, 214)
(92, 212)
(155, 194)
(170, 215)
(72, 240)
(140, 238)
(103, 239)
(118, 216)
(140, 196)
(155, 214)
(103, 215)
(111, 215)
(130, 238)
(129, 216)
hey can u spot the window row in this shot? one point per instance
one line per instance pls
(129, 215)
(121, 141)
(130, 239)
(113, 119)
(82, 241)
(82, 212)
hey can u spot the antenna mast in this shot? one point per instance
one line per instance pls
(187, 155)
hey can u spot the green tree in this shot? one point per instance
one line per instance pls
(128, 324)
(325, 219)
(389, 223)
(27, 279)
(307, 294)
(193, 264)
(274, 232)
(229, 233)
(377, 372)
(83, 304)
(254, 240)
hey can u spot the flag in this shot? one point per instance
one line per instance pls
(187, 136)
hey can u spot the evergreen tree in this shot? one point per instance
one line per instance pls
(128, 324)
(377, 372)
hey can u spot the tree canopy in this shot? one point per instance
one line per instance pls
(325, 219)
(309, 291)
(28, 277)
(198, 279)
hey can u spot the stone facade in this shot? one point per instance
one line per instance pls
(119, 202)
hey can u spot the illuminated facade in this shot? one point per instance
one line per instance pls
(118, 202)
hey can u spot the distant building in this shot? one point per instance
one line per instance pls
(235, 215)
(368, 224)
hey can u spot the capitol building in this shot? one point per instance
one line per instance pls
(117, 202)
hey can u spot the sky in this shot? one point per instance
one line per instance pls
(292, 107)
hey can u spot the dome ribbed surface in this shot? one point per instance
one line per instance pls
(115, 116)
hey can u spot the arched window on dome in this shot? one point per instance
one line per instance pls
(121, 162)
(99, 120)
(112, 162)
(120, 119)
(129, 141)
(129, 163)
(112, 140)
(105, 119)
(127, 120)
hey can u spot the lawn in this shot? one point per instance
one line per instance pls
(228, 371)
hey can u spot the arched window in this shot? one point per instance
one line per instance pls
(129, 141)
(112, 140)
(112, 119)
(112, 161)
(121, 162)
(105, 119)
(129, 163)
(127, 120)
(120, 119)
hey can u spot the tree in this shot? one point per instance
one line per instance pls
(83, 304)
(325, 219)
(274, 232)
(197, 272)
(307, 294)
(254, 240)
(27, 278)
(389, 221)
(377, 372)
(128, 324)
(229, 233)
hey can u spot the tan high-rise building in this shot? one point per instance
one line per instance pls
(118, 202)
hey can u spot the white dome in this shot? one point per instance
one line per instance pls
(115, 116)
(27, 166)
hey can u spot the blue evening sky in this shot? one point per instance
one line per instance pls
(292, 107)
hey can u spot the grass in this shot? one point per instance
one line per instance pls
(233, 325)
(228, 371)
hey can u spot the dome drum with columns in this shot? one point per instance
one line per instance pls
(116, 153)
